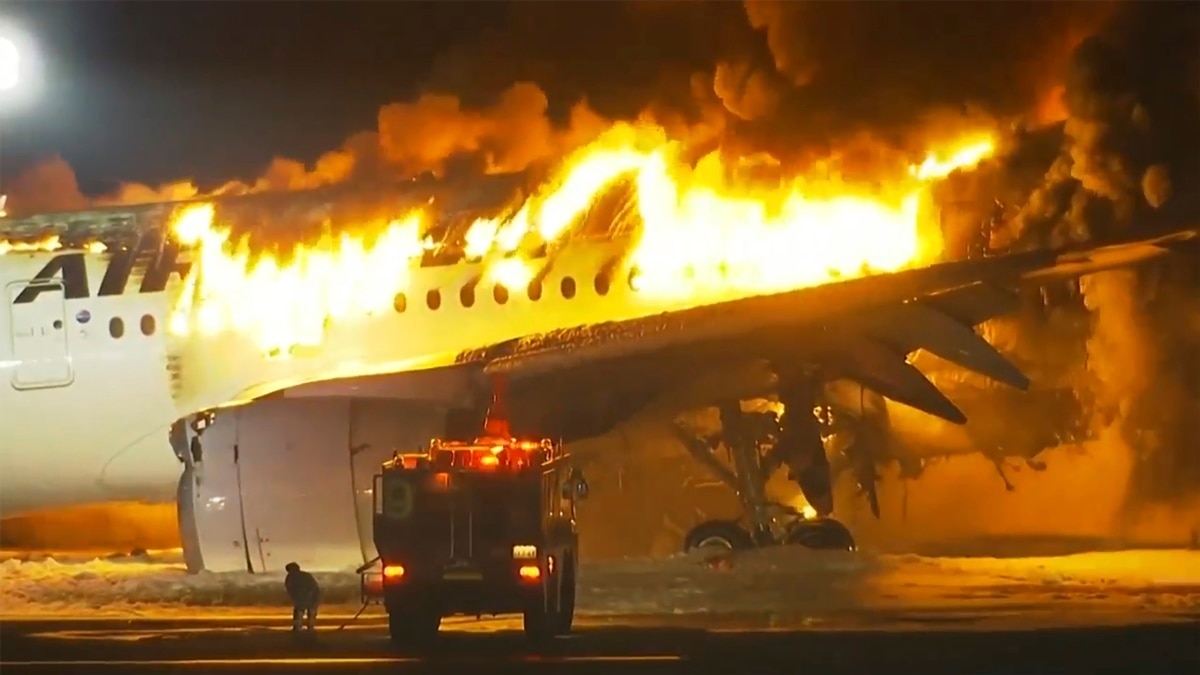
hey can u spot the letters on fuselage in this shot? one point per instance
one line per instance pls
(157, 258)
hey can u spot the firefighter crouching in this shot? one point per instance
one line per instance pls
(305, 594)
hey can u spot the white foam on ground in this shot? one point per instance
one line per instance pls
(781, 580)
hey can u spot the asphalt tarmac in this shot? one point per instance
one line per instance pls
(739, 645)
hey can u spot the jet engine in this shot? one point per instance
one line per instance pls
(289, 479)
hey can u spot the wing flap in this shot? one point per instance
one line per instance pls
(878, 367)
(920, 325)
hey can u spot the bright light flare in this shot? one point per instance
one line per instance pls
(10, 64)
(20, 69)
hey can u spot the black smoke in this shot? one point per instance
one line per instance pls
(1126, 163)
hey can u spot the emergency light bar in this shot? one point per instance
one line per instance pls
(484, 454)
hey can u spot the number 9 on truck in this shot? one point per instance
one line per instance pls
(397, 498)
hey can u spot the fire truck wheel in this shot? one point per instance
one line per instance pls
(541, 612)
(565, 616)
(411, 625)
(536, 621)
(718, 533)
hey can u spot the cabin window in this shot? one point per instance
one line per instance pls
(467, 295)
(535, 290)
(147, 325)
(433, 299)
(568, 287)
(400, 303)
(500, 294)
(116, 327)
(602, 283)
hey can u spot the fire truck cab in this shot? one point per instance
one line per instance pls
(477, 528)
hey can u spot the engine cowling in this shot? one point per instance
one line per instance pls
(290, 479)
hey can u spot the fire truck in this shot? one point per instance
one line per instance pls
(476, 528)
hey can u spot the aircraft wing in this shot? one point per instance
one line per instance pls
(581, 382)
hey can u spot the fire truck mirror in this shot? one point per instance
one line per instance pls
(575, 487)
(397, 498)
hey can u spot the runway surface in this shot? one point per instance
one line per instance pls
(692, 644)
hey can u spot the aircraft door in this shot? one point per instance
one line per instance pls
(39, 335)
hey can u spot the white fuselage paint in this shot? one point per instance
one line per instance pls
(92, 429)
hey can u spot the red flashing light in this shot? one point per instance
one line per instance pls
(486, 453)
(529, 573)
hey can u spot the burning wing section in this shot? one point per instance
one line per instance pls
(862, 329)
(579, 383)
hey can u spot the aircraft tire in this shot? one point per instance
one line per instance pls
(821, 534)
(724, 533)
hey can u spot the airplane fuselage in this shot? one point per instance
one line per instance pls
(93, 378)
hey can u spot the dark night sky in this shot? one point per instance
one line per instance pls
(156, 91)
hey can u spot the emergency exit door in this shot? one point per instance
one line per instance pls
(39, 335)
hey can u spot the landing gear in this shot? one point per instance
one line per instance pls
(824, 534)
(758, 444)
(725, 534)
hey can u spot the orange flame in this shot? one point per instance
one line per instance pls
(698, 234)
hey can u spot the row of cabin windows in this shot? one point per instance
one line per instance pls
(116, 326)
(433, 299)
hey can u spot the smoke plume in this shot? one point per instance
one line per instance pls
(1124, 162)
(798, 79)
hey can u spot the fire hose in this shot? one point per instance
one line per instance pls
(366, 602)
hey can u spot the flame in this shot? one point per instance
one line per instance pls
(46, 244)
(289, 304)
(1052, 107)
(698, 232)
(964, 156)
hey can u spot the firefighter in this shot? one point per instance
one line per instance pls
(305, 594)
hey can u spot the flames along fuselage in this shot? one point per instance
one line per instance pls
(95, 377)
